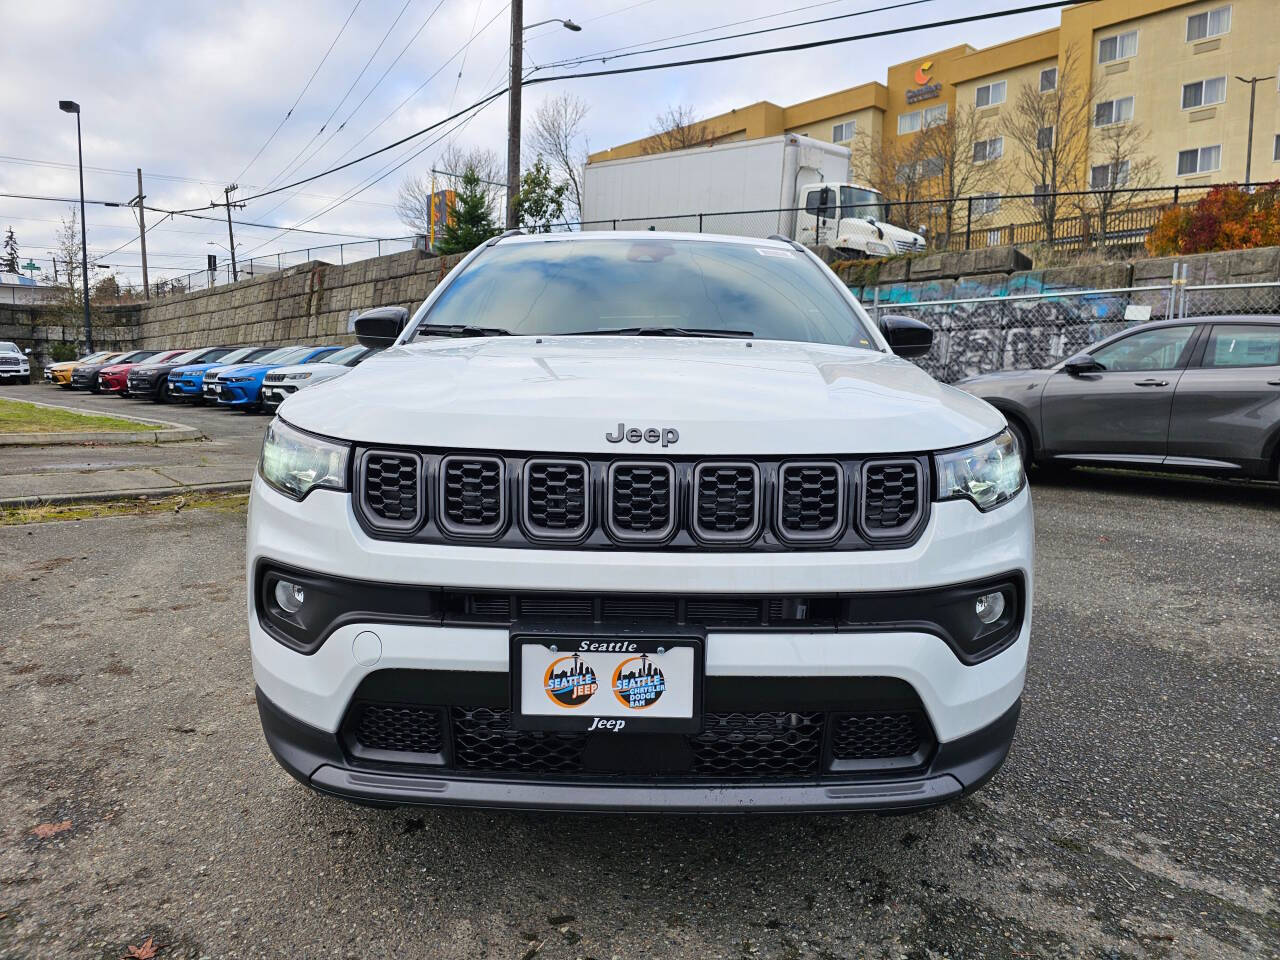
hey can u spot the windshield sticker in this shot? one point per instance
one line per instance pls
(783, 254)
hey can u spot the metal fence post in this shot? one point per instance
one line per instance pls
(699, 223)
(342, 249)
(1176, 188)
(615, 224)
(968, 221)
(875, 304)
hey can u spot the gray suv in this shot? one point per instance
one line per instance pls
(1200, 394)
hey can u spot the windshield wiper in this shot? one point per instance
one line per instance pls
(662, 332)
(459, 330)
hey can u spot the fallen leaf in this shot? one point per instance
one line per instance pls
(46, 830)
(145, 952)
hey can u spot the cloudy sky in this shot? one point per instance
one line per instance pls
(191, 91)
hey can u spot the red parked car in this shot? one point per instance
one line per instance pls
(114, 379)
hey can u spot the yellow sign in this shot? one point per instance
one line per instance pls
(922, 73)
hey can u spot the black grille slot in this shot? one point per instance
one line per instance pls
(758, 744)
(397, 728)
(639, 608)
(555, 498)
(490, 607)
(726, 611)
(727, 501)
(483, 740)
(558, 607)
(641, 501)
(890, 498)
(810, 501)
(471, 500)
(392, 489)
(878, 736)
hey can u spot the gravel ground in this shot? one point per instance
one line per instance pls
(1137, 816)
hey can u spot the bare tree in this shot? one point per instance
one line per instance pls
(67, 242)
(1119, 169)
(413, 202)
(951, 148)
(557, 137)
(676, 128)
(1050, 131)
(902, 170)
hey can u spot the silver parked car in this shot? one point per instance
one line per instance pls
(1200, 394)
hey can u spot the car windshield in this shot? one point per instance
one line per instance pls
(286, 355)
(7, 346)
(587, 286)
(136, 356)
(857, 202)
(345, 356)
(187, 357)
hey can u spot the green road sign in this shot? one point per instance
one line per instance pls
(31, 267)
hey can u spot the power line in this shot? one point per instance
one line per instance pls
(305, 87)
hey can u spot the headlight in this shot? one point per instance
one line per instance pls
(295, 463)
(988, 474)
(297, 376)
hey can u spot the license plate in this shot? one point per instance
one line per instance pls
(606, 683)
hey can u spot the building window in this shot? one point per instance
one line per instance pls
(1044, 138)
(1113, 111)
(908, 122)
(985, 204)
(984, 151)
(1048, 79)
(1106, 176)
(932, 167)
(1120, 47)
(1202, 160)
(935, 115)
(1204, 92)
(1041, 194)
(843, 132)
(1211, 23)
(991, 94)
(1275, 150)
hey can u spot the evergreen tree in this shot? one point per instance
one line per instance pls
(471, 221)
(540, 202)
(9, 253)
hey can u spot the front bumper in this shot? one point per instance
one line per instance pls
(306, 697)
(237, 394)
(141, 386)
(14, 373)
(186, 386)
(113, 383)
(274, 394)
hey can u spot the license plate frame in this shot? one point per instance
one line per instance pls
(608, 648)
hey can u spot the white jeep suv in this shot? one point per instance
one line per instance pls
(640, 521)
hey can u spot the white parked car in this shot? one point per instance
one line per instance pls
(281, 382)
(640, 521)
(15, 365)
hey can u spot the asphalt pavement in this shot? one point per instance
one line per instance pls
(1137, 815)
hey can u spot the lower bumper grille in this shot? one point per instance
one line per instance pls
(731, 746)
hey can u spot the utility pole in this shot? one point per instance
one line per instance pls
(142, 234)
(70, 106)
(513, 113)
(231, 237)
(1253, 96)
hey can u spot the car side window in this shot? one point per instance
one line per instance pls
(1243, 345)
(1157, 349)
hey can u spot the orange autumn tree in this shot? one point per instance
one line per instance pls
(1225, 218)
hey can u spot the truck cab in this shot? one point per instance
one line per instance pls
(852, 219)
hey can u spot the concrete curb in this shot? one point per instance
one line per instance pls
(167, 431)
(154, 493)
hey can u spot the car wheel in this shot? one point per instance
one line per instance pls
(1023, 441)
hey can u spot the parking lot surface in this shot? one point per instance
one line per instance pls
(1137, 815)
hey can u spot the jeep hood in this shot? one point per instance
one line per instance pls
(564, 394)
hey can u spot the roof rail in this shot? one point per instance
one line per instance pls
(517, 232)
(794, 244)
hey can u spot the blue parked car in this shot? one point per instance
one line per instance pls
(241, 385)
(186, 382)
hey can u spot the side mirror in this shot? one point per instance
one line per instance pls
(380, 326)
(27, 351)
(907, 336)
(1081, 364)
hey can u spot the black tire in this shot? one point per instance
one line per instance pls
(1024, 442)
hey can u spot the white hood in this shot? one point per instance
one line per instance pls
(564, 394)
(320, 372)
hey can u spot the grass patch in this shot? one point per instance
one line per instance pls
(17, 416)
(222, 502)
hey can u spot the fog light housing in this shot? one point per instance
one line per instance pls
(289, 596)
(989, 607)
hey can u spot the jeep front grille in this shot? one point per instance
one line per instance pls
(472, 501)
(727, 504)
(810, 500)
(641, 501)
(556, 498)
(891, 498)
(391, 490)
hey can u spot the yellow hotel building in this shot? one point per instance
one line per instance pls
(1169, 65)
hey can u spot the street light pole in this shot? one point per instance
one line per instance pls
(70, 106)
(1253, 96)
(518, 28)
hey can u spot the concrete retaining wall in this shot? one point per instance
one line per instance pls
(40, 327)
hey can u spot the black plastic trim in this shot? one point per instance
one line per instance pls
(842, 511)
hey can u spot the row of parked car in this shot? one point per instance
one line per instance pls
(246, 378)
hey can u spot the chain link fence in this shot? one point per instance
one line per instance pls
(979, 335)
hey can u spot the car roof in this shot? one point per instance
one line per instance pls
(581, 236)
(1268, 318)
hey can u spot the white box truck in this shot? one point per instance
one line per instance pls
(788, 185)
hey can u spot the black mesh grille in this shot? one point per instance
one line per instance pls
(810, 500)
(401, 728)
(483, 740)
(471, 501)
(891, 496)
(556, 498)
(392, 488)
(640, 505)
(726, 500)
(758, 744)
(876, 736)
